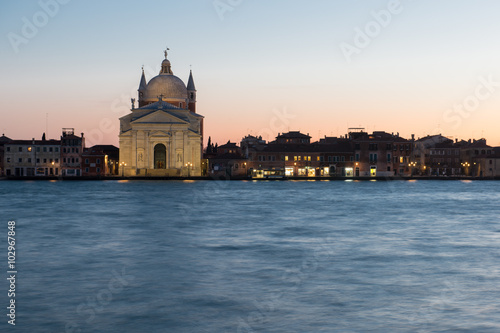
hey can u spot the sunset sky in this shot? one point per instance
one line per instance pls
(260, 67)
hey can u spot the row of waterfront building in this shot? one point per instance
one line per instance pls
(292, 154)
(67, 157)
(357, 154)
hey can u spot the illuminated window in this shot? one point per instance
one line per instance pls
(401, 159)
(299, 157)
(286, 158)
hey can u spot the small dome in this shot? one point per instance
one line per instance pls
(168, 86)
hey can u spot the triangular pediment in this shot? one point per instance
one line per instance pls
(157, 134)
(158, 117)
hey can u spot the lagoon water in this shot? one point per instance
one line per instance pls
(146, 256)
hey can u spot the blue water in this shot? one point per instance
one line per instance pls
(254, 256)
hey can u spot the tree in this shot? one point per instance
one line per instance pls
(209, 145)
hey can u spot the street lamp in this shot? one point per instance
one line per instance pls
(189, 165)
(123, 165)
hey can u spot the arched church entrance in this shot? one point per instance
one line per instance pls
(160, 156)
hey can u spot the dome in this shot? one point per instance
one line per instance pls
(169, 86)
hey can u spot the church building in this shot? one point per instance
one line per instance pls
(163, 137)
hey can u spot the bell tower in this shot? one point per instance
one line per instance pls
(191, 90)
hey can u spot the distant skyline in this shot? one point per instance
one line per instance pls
(260, 67)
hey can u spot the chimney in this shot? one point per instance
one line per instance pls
(413, 137)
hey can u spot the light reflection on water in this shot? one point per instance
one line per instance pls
(131, 256)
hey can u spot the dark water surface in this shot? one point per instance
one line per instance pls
(254, 256)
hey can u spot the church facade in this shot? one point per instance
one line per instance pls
(163, 137)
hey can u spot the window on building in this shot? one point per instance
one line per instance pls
(295, 158)
(373, 157)
(286, 158)
(20, 160)
(86, 169)
(388, 147)
(29, 148)
(37, 149)
(57, 160)
(44, 160)
(299, 157)
(29, 160)
(77, 160)
(8, 148)
(357, 146)
(20, 149)
(98, 170)
(389, 159)
(50, 149)
(57, 171)
(352, 159)
(72, 160)
(87, 160)
(76, 150)
(342, 158)
(321, 158)
(44, 149)
(64, 160)
(64, 150)
(37, 160)
(56, 149)
(8, 159)
(357, 157)
(373, 146)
